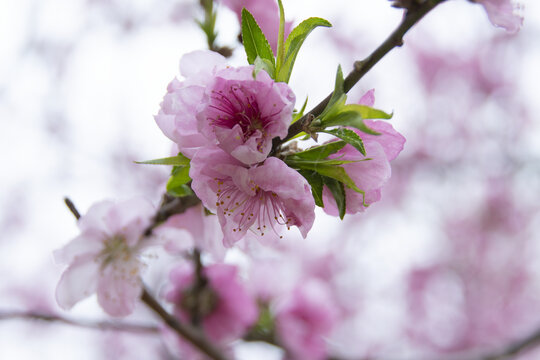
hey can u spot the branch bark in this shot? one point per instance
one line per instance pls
(186, 331)
(97, 325)
(361, 67)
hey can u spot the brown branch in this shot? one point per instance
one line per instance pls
(170, 206)
(97, 325)
(515, 348)
(186, 331)
(361, 67)
(72, 208)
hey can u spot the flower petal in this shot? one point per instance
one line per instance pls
(78, 281)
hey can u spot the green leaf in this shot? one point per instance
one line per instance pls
(338, 98)
(350, 137)
(332, 171)
(347, 118)
(255, 43)
(281, 41)
(316, 182)
(321, 152)
(265, 323)
(338, 191)
(301, 134)
(298, 114)
(176, 185)
(299, 162)
(368, 112)
(293, 44)
(263, 64)
(179, 160)
(180, 191)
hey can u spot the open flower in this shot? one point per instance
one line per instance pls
(177, 115)
(105, 257)
(244, 114)
(224, 106)
(262, 198)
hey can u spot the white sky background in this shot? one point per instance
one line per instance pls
(80, 82)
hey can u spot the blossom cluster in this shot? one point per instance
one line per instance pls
(226, 121)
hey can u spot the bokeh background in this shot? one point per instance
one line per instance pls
(446, 264)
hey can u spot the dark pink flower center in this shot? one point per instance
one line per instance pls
(238, 106)
(262, 208)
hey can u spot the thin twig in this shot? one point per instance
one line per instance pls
(362, 67)
(72, 208)
(514, 348)
(170, 206)
(97, 325)
(186, 331)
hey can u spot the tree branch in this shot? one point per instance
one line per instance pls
(72, 208)
(97, 325)
(361, 67)
(514, 348)
(170, 206)
(186, 331)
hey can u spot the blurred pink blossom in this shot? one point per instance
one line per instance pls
(265, 12)
(260, 198)
(231, 313)
(480, 293)
(192, 229)
(305, 318)
(105, 257)
(503, 13)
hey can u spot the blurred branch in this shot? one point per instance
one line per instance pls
(361, 67)
(170, 206)
(72, 208)
(514, 349)
(208, 26)
(97, 325)
(269, 338)
(189, 333)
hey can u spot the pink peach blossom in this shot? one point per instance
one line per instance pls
(502, 13)
(192, 228)
(244, 114)
(260, 198)
(233, 311)
(306, 317)
(224, 106)
(105, 257)
(177, 115)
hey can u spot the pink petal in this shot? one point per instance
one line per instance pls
(119, 287)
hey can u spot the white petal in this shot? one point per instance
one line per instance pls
(80, 246)
(78, 282)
